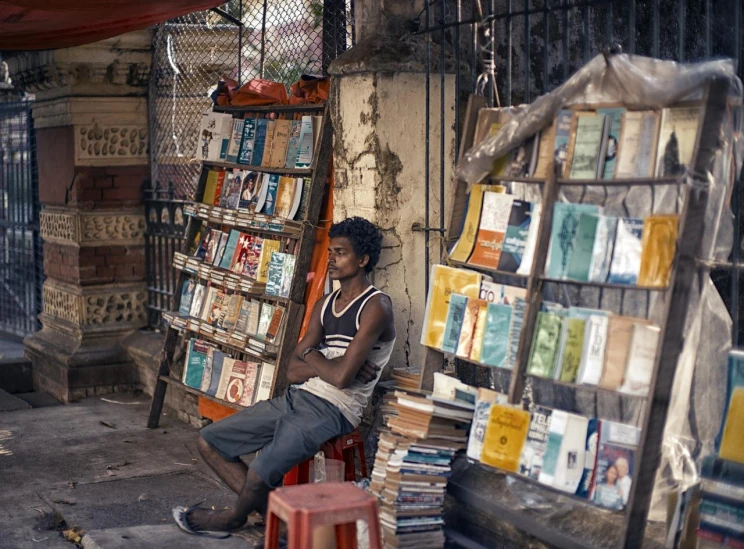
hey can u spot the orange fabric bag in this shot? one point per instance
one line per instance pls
(309, 89)
(256, 92)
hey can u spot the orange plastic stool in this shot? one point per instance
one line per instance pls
(341, 448)
(303, 508)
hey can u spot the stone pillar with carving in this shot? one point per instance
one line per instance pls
(91, 126)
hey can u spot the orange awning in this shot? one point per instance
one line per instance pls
(51, 24)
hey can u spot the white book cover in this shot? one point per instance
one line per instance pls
(253, 317)
(493, 292)
(305, 150)
(558, 423)
(233, 147)
(525, 267)
(265, 382)
(677, 138)
(593, 355)
(263, 191)
(215, 127)
(297, 200)
(604, 242)
(227, 366)
(570, 466)
(641, 358)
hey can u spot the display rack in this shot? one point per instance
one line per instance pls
(296, 236)
(673, 310)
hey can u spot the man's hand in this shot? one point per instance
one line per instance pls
(368, 372)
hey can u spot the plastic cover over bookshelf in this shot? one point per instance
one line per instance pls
(694, 323)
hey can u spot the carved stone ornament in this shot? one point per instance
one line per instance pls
(72, 227)
(105, 305)
(98, 144)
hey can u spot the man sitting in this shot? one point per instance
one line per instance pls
(333, 371)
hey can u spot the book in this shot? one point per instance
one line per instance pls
(589, 138)
(615, 464)
(187, 295)
(523, 159)
(221, 176)
(248, 191)
(586, 484)
(563, 230)
(464, 245)
(570, 360)
(284, 197)
(515, 238)
(261, 191)
(210, 187)
(563, 130)
(218, 359)
(273, 333)
(217, 308)
(235, 386)
(213, 129)
(236, 138)
(444, 282)
(198, 237)
(604, 244)
(220, 249)
(544, 344)
(246, 145)
(297, 199)
(484, 400)
(515, 330)
(531, 459)
(556, 431)
(288, 269)
(249, 383)
(268, 247)
(241, 324)
(259, 143)
(278, 153)
(455, 315)
(722, 479)
(500, 293)
(196, 357)
(317, 124)
(479, 332)
(677, 139)
(626, 255)
(305, 147)
(304, 199)
(264, 320)
(269, 143)
(732, 442)
(226, 261)
(658, 246)
(637, 145)
(525, 265)
(593, 353)
(492, 230)
(293, 144)
(734, 379)
(725, 517)
(276, 284)
(580, 262)
(270, 197)
(198, 301)
(206, 379)
(465, 342)
(570, 465)
(615, 117)
(644, 341)
(505, 435)
(619, 333)
(496, 337)
(254, 316)
(209, 297)
(246, 256)
(545, 153)
(266, 382)
(232, 312)
(208, 248)
(230, 196)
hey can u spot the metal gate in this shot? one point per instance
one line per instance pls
(21, 261)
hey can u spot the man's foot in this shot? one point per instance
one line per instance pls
(204, 519)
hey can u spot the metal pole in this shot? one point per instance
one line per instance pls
(426, 151)
(263, 38)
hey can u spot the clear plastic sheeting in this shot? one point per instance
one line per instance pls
(696, 405)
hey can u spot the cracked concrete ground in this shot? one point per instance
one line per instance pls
(96, 466)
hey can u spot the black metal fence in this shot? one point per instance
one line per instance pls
(21, 260)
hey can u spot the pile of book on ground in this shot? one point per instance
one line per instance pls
(413, 461)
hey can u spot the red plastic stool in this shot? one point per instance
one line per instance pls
(304, 508)
(341, 448)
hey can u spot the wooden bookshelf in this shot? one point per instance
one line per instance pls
(673, 310)
(297, 237)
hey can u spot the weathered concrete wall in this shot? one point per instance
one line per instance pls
(380, 161)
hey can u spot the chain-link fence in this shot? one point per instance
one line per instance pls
(279, 40)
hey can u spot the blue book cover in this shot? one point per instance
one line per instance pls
(293, 144)
(583, 248)
(496, 337)
(563, 123)
(232, 243)
(515, 239)
(626, 256)
(195, 359)
(615, 119)
(259, 142)
(515, 331)
(246, 145)
(565, 224)
(455, 316)
(270, 204)
(218, 360)
(590, 459)
(187, 294)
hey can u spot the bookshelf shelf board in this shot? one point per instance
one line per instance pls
(507, 179)
(607, 285)
(476, 363)
(199, 393)
(221, 216)
(588, 388)
(621, 182)
(310, 107)
(486, 270)
(264, 169)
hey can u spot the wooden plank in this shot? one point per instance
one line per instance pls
(673, 331)
(433, 362)
(294, 315)
(237, 109)
(264, 169)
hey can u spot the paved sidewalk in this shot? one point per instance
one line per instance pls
(95, 466)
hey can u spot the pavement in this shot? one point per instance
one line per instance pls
(92, 469)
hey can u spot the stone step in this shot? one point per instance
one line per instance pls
(10, 403)
(39, 400)
(157, 537)
(15, 369)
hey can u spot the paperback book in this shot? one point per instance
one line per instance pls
(626, 256)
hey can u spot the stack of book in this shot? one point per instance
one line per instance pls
(413, 463)
(263, 142)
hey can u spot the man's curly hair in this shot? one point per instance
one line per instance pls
(365, 238)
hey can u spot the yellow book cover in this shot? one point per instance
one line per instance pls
(480, 330)
(732, 443)
(467, 331)
(619, 333)
(506, 432)
(279, 144)
(492, 230)
(267, 248)
(658, 246)
(464, 246)
(545, 153)
(210, 187)
(284, 196)
(269, 143)
(444, 282)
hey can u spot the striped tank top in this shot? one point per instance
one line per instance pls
(340, 328)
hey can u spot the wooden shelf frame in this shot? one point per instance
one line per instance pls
(304, 240)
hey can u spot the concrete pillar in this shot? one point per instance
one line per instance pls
(378, 108)
(91, 125)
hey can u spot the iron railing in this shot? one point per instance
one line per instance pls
(21, 260)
